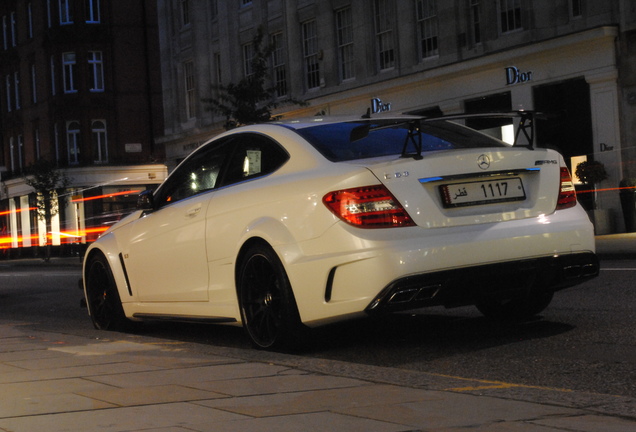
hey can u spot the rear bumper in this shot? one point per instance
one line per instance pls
(472, 285)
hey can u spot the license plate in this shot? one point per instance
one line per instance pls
(482, 192)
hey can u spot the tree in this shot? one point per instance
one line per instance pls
(250, 100)
(47, 181)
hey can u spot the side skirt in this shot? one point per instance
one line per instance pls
(183, 318)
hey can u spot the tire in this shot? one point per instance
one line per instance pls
(102, 297)
(268, 308)
(517, 309)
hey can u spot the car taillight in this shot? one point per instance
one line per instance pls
(368, 207)
(567, 193)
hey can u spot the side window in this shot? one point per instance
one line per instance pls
(199, 173)
(253, 156)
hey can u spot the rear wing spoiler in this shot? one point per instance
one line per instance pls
(525, 127)
(526, 124)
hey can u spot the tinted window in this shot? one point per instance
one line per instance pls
(198, 173)
(253, 156)
(359, 140)
(221, 163)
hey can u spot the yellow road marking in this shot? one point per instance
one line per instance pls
(490, 385)
(484, 387)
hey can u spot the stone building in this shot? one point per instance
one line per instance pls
(80, 87)
(574, 59)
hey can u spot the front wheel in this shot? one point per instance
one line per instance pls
(268, 308)
(102, 297)
(517, 309)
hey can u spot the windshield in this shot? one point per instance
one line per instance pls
(360, 140)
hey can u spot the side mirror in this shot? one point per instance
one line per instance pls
(145, 201)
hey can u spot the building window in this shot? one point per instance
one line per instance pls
(8, 88)
(66, 13)
(56, 139)
(30, 18)
(310, 55)
(248, 59)
(14, 40)
(73, 142)
(34, 92)
(69, 65)
(428, 28)
(96, 67)
(100, 144)
(16, 89)
(576, 8)
(185, 13)
(36, 138)
(344, 28)
(278, 64)
(12, 153)
(384, 23)
(475, 20)
(5, 39)
(53, 86)
(246, 3)
(217, 69)
(510, 15)
(20, 152)
(188, 72)
(93, 13)
(214, 9)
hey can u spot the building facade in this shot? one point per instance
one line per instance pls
(79, 87)
(573, 59)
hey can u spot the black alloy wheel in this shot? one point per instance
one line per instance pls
(268, 308)
(104, 304)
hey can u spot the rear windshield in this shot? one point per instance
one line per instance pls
(360, 140)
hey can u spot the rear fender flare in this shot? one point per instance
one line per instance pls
(276, 235)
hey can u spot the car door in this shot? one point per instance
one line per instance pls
(166, 259)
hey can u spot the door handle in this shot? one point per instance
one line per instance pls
(193, 211)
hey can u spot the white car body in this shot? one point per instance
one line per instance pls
(180, 261)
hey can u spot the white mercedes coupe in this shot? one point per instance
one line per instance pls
(280, 227)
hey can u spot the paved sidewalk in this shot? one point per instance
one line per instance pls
(58, 382)
(54, 382)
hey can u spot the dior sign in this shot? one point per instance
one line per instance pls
(515, 76)
(377, 106)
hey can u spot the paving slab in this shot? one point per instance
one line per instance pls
(314, 422)
(334, 400)
(50, 387)
(184, 415)
(454, 410)
(279, 384)
(233, 369)
(589, 423)
(33, 354)
(504, 427)
(77, 371)
(160, 394)
(37, 405)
